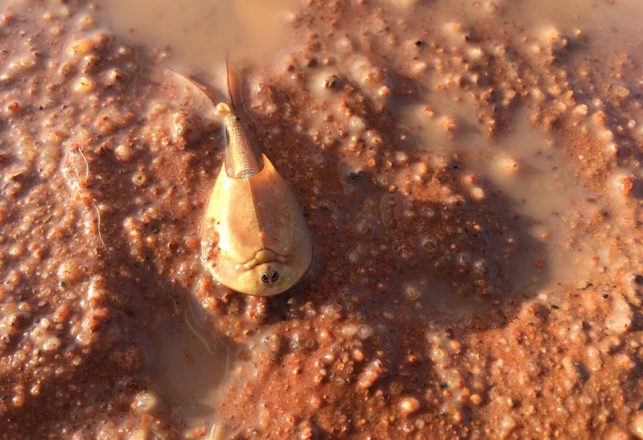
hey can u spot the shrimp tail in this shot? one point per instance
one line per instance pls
(236, 82)
(234, 87)
(243, 155)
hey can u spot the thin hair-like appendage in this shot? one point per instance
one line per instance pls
(100, 235)
(86, 163)
(199, 85)
(196, 333)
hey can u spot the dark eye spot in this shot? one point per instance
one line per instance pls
(264, 277)
(274, 277)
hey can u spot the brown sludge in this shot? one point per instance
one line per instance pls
(471, 182)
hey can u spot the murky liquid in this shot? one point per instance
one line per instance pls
(612, 24)
(188, 365)
(529, 169)
(523, 172)
(198, 34)
(523, 165)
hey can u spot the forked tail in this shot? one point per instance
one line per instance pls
(243, 158)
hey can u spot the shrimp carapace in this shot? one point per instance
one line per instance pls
(254, 238)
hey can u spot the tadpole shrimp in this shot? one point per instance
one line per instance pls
(254, 238)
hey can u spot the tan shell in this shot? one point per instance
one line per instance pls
(254, 226)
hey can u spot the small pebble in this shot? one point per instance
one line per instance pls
(69, 272)
(409, 405)
(124, 153)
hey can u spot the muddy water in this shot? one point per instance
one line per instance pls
(524, 166)
(187, 367)
(467, 169)
(612, 24)
(198, 34)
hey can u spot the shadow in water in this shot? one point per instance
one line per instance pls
(399, 248)
(149, 270)
(403, 249)
(405, 241)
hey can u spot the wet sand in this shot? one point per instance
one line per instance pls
(470, 173)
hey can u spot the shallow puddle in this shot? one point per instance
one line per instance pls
(188, 364)
(524, 166)
(471, 277)
(611, 24)
(529, 168)
(198, 34)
